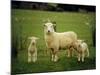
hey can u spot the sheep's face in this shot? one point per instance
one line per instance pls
(48, 28)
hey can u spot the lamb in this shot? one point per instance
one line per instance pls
(32, 50)
(55, 40)
(82, 49)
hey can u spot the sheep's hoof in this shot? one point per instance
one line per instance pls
(55, 60)
(78, 60)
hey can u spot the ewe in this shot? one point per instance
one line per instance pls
(55, 40)
(82, 49)
(32, 50)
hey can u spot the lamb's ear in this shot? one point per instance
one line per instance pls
(80, 41)
(36, 38)
(84, 41)
(29, 37)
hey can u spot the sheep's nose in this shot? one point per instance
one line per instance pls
(48, 31)
(33, 43)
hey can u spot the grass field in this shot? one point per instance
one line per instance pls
(31, 22)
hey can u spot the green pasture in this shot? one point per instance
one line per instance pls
(31, 24)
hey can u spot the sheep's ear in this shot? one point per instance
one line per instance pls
(54, 23)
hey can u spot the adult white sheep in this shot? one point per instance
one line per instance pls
(55, 40)
(32, 50)
(82, 49)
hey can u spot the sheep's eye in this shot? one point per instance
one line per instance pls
(51, 26)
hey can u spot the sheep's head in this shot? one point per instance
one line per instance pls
(33, 40)
(49, 27)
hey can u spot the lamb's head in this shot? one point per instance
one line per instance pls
(78, 43)
(33, 40)
(49, 27)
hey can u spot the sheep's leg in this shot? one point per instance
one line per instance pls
(82, 56)
(55, 56)
(69, 53)
(52, 54)
(79, 56)
(29, 57)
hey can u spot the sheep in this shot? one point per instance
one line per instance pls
(82, 49)
(55, 40)
(32, 50)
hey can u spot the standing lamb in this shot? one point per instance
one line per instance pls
(82, 49)
(32, 50)
(55, 40)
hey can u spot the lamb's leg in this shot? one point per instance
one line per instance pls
(29, 57)
(34, 57)
(52, 57)
(87, 51)
(79, 56)
(70, 49)
(83, 56)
